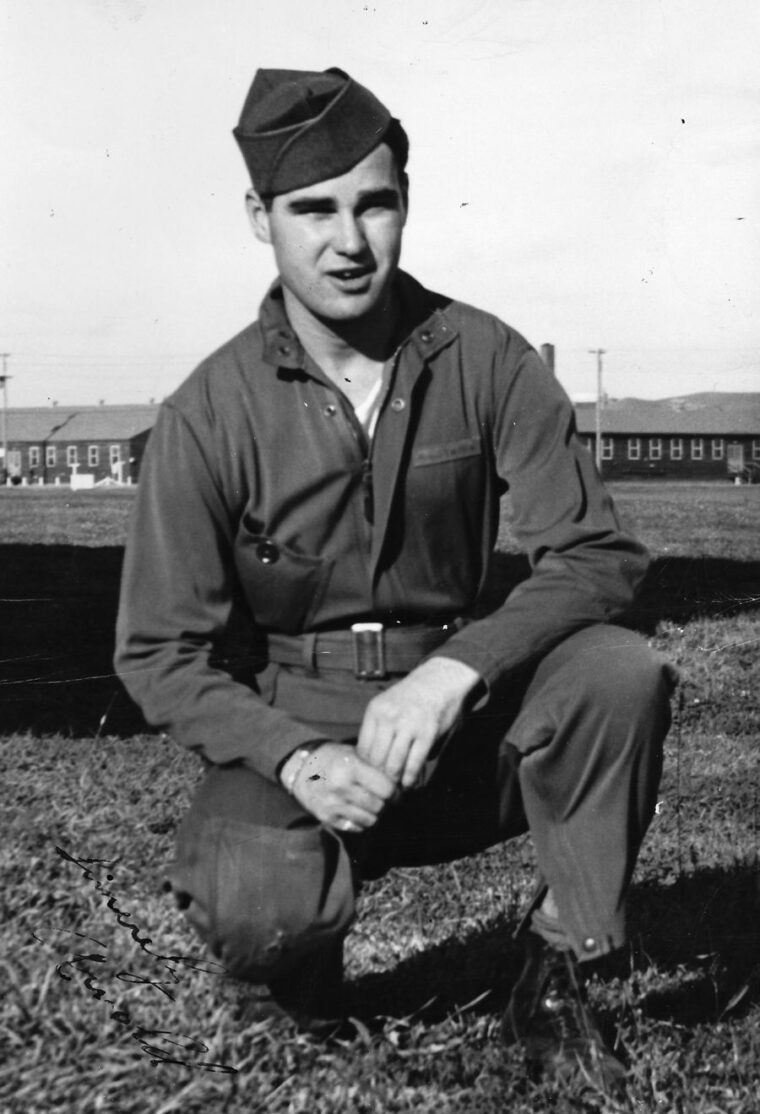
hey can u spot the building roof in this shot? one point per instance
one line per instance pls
(55, 424)
(709, 414)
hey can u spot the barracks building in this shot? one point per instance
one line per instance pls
(710, 436)
(51, 444)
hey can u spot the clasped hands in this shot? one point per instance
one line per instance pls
(346, 786)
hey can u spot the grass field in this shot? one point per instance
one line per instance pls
(430, 961)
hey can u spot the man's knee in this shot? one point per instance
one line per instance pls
(604, 683)
(262, 897)
(618, 670)
(288, 894)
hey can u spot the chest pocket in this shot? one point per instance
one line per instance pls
(445, 513)
(448, 451)
(283, 588)
(445, 482)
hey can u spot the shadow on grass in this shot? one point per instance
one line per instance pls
(57, 617)
(707, 921)
(481, 965)
(702, 930)
(58, 611)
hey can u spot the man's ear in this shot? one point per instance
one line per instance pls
(403, 185)
(405, 194)
(258, 216)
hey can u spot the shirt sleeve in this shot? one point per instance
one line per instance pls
(178, 607)
(585, 568)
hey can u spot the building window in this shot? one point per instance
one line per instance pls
(756, 448)
(114, 454)
(717, 448)
(93, 456)
(634, 448)
(71, 455)
(607, 444)
(676, 448)
(655, 448)
(51, 456)
(697, 448)
(14, 461)
(34, 456)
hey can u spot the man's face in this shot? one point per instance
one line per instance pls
(337, 243)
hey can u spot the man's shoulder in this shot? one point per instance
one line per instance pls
(219, 379)
(470, 322)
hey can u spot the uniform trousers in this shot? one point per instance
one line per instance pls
(572, 752)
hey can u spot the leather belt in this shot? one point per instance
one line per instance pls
(370, 651)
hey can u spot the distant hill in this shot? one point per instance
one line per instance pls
(706, 413)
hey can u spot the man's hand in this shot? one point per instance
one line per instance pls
(402, 724)
(340, 789)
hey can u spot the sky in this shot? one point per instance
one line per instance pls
(587, 170)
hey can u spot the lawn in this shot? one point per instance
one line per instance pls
(92, 1017)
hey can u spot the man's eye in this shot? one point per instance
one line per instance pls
(306, 209)
(381, 204)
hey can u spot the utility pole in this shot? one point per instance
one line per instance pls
(598, 352)
(4, 382)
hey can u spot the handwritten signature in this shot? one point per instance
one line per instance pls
(79, 963)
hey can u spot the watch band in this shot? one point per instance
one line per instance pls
(294, 767)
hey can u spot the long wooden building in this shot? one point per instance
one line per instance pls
(92, 443)
(709, 436)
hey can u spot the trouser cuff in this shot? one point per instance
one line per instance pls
(550, 929)
(585, 950)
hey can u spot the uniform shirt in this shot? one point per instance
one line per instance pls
(262, 506)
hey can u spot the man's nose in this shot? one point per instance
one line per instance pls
(349, 235)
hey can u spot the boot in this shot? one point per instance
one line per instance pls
(548, 1015)
(310, 994)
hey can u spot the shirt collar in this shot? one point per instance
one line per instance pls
(427, 327)
(281, 345)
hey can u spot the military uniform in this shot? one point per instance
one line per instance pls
(266, 524)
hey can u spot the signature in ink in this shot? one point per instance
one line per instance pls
(80, 962)
(121, 916)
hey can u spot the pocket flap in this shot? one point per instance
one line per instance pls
(451, 450)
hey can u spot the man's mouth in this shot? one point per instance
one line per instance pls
(350, 274)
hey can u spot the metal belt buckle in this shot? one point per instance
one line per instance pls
(369, 650)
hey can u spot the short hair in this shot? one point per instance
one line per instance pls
(398, 141)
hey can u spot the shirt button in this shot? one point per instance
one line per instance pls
(426, 336)
(330, 410)
(398, 404)
(267, 553)
(589, 944)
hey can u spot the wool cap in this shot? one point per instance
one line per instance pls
(299, 127)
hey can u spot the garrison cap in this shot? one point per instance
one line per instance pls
(299, 127)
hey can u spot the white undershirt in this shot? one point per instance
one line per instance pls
(368, 409)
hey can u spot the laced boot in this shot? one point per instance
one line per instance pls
(548, 1015)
